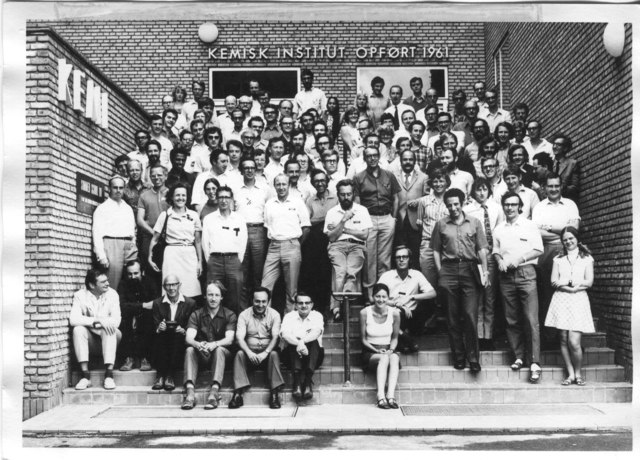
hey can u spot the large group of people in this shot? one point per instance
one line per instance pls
(468, 214)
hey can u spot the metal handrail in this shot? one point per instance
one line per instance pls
(344, 298)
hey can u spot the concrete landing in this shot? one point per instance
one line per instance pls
(105, 419)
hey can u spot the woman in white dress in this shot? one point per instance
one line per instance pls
(184, 230)
(570, 311)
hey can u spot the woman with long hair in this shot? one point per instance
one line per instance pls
(331, 116)
(211, 186)
(379, 329)
(361, 102)
(570, 311)
(183, 233)
(349, 131)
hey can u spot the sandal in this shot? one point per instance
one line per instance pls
(580, 381)
(568, 381)
(517, 365)
(393, 404)
(383, 403)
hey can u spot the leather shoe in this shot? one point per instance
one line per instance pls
(236, 401)
(158, 384)
(475, 367)
(274, 400)
(307, 389)
(189, 400)
(459, 365)
(297, 392)
(168, 384)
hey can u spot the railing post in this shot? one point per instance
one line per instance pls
(344, 298)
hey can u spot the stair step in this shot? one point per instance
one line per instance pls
(408, 374)
(436, 393)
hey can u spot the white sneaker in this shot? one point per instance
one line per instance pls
(109, 384)
(83, 384)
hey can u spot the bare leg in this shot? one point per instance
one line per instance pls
(564, 350)
(381, 374)
(575, 350)
(394, 371)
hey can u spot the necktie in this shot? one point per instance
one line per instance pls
(487, 227)
(406, 180)
(396, 120)
(556, 167)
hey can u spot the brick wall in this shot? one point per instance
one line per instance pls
(148, 58)
(60, 142)
(571, 84)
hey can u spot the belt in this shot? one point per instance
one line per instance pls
(127, 238)
(290, 240)
(351, 240)
(180, 244)
(379, 214)
(255, 225)
(457, 261)
(223, 254)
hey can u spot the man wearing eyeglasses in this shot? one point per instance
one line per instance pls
(458, 113)
(224, 242)
(141, 138)
(330, 162)
(567, 168)
(406, 288)
(517, 244)
(377, 190)
(535, 143)
(271, 128)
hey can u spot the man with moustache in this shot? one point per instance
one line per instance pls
(347, 227)
(413, 186)
(461, 180)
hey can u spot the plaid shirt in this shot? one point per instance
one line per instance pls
(423, 157)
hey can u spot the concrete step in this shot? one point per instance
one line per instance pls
(420, 393)
(591, 356)
(333, 340)
(408, 374)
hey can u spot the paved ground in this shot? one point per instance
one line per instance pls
(535, 441)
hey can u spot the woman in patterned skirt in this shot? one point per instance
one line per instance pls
(570, 311)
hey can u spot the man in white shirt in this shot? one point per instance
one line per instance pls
(141, 138)
(396, 106)
(493, 113)
(114, 231)
(275, 152)
(219, 160)
(347, 226)
(512, 176)
(444, 126)
(190, 106)
(287, 222)
(199, 151)
(95, 317)
(224, 242)
(156, 132)
(251, 198)
(535, 143)
(301, 332)
(406, 288)
(330, 161)
(516, 247)
(225, 121)
(309, 97)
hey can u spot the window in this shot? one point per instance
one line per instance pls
(279, 82)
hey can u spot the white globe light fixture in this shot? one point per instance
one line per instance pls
(613, 38)
(208, 32)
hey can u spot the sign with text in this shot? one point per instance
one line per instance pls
(96, 101)
(89, 193)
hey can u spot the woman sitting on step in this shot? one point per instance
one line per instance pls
(570, 311)
(379, 328)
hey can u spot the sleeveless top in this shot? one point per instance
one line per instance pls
(379, 334)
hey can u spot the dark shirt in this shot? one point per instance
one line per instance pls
(458, 241)
(212, 329)
(162, 310)
(464, 163)
(528, 175)
(131, 194)
(133, 293)
(376, 193)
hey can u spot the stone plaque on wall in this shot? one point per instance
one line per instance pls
(90, 192)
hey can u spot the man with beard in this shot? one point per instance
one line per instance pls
(156, 132)
(480, 134)
(413, 186)
(347, 227)
(461, 180)
(458, 114)
(457, 242)
(136, 299)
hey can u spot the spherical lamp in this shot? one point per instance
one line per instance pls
(208, 32)
(613, 38)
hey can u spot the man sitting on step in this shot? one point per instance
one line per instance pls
(302, 333)
(210, 334)
(136, 292)
(95, 317)
(257, 336)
